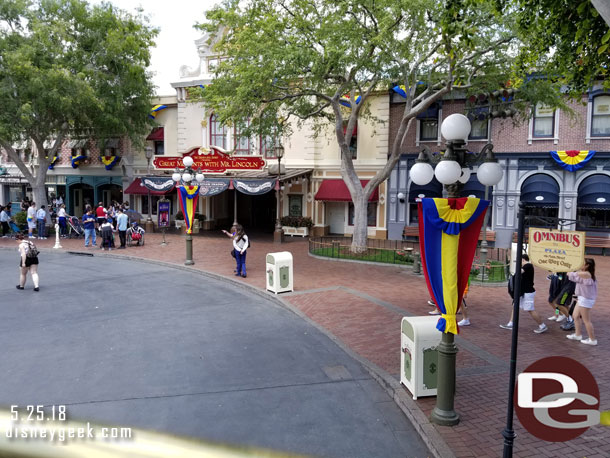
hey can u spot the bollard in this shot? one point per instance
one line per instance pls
(57, 244)
(416, 263)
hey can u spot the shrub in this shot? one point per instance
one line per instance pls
(200, 216)
(296, 221)
(20, 218)
(180, 215)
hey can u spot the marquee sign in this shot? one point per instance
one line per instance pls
(556, 251)
(213, 160)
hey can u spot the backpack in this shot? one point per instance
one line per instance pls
(32, 251)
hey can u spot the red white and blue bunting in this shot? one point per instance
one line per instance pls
(572, 160)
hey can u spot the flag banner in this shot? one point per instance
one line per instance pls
(159, 184)
(155, 111)
(213, 186)
(187, 196)
(572, 160)
(254, 187)
(109, 161)
(76, 160)
(448, 234)
(54, 161)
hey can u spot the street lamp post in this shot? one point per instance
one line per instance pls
(149, 222)
(278, 234)
(453, 171)
(185, 177)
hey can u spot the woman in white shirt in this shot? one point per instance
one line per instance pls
(61, 216)
(240, 244)
(27, 264)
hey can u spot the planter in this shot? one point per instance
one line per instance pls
(180, 224)
(301, 231)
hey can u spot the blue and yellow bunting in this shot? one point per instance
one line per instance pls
(448, 235)
(109, 161)
(76, 160)
(187, 196)
(53, 162)
(572, 160)
(155, 111)
(346, 101)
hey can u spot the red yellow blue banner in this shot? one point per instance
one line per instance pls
(572, 160)
(448, 235)
(155, 111)
(109, 161)
(346, 101)
(187, 196)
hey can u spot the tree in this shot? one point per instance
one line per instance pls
(298, 58)
(565, 40)
(69, 70)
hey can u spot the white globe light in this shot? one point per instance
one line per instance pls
(455, 127)
(448, 172)
(187, 161)
(187, 177)
(199, 177)
(176, 177)
(465, 176)
(421, 173)
(489, 173)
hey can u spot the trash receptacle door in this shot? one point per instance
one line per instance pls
(430, 367)
(284, 276)
(270, 274)
(407, 364)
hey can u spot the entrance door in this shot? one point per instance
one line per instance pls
(78, 202)
(335, 217)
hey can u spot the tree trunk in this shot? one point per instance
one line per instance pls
(359, 240)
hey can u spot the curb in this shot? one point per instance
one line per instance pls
(426, 430)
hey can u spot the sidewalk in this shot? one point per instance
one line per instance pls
(361, 305)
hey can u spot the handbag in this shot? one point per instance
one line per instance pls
(233, 252)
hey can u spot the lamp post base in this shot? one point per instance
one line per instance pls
(444, 413)
(278, 235)
(189, 250)
(149, 226)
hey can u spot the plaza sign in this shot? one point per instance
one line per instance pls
(556, 251)
(212, 160)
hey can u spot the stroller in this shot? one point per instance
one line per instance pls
(14, 229)
(75, 227)
(135, 235)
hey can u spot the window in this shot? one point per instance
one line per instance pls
(600, 125)
(159, 148)
(593, 219)
(218, 133)
(242, 143)
(544, 121)
(478, 129)
(428, 129)
(154, 200)
(295, 205)
(371, 214)
(268, 145)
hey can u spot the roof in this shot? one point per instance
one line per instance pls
(336, 190)
(156, 135)
(136, 187)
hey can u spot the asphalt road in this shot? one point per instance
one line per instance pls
(139, 344)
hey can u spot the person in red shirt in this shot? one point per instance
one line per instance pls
(100, 214)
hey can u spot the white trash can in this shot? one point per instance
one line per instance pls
(279, 272)
(419, 340)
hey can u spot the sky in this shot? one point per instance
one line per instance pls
(175, 41)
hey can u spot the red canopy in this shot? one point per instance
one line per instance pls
(136, 187)
(336, 190)
(156, 135)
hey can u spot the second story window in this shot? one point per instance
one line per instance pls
(428, 124)
(544, 121)
(600, 122)
(242, 143)
(218, 133)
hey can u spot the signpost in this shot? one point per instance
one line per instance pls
(163, 217)
(555, 250)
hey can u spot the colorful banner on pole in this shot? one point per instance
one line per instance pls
(448, 234)
(572, 160)
(187, 196)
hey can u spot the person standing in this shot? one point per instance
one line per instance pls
(528, 293)
(231, 235)
(122, 222)
(61, 218)
(27, 263)
(41, 222)
(100, 213)
(4, 219)
(31, 218)
(240, 244)
(586, 292)
(89, 225)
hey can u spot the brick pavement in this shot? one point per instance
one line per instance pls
(361, 305)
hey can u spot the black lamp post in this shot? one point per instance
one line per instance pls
(148, 151)
(278, 234)
(185, 177)
(453, 171)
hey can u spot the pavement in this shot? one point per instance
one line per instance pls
(360, 307)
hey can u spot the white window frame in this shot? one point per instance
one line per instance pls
(588, 136)
(554, 137)
(438, 130)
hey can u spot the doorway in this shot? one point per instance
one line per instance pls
(335, 217)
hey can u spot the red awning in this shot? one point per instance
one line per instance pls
(156, 135)
(336, 190)
(136, 187)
